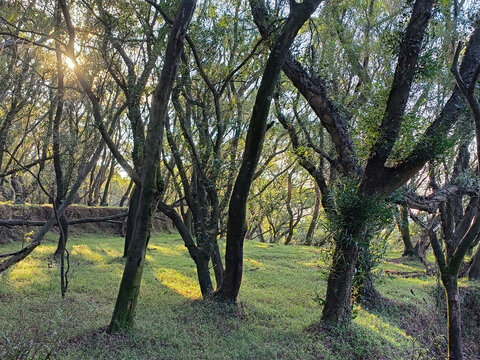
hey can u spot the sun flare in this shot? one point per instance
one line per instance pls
(70, 63)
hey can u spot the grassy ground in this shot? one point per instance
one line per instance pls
(280, 300)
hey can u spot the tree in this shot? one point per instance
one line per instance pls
(379, 174)
(299, 13)
(401, 218)
(123, 314)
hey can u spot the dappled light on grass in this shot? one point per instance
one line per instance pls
(109, 251)
(86, 252)
(44, 250)
(402, 267)
(313, 263)
(178, 282)
(414, 282)
(167, 250)
(392, 334)
(262, 245)
(253, 263)
(29, 272)
(280, 296)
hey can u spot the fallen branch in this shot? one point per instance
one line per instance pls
(22, 222)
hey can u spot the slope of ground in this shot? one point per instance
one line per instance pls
(281, 298)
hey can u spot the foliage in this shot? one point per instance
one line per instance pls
(357, 217)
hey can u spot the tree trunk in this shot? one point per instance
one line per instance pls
(132, 211)
(337, 307)
(217, 264)
(260, 232)
(313, 223)
(237, 211)
(203, 273)
(200, 258)
(289, 236)
(99, 179)
(63, 238)
(474, 272)
(123, 315)
(57, 161)
(366, 293)
(404, 228)
(127, 193)
(106, 189)
(124, 312)
(454, 318)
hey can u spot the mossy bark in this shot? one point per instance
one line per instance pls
(454, 317)
(151, 182)
(124, 313)
(132, 210)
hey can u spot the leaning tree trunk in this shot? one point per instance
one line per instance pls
(123, 315)
(237, 211)
(124, 312)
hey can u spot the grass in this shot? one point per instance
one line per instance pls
(279, 298)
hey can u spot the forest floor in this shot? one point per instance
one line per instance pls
(281, 298)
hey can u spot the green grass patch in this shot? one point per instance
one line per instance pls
(279, 304)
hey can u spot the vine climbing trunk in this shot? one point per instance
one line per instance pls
(337, 307)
